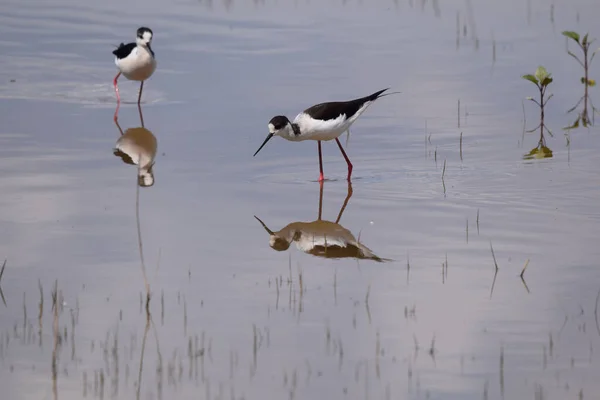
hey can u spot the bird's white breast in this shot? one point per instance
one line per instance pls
(315, 129)
(139, 65)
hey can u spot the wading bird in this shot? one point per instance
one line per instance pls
(135, 61)
(325, 121)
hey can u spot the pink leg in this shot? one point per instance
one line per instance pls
(347, 159)
(118, 97)
(117, 87)
(140, 95)
(321, 177)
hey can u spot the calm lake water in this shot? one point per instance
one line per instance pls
(440, 180)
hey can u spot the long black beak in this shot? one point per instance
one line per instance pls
(265, 142)
(264, 226)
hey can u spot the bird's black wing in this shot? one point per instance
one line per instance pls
(124, 156)
(332, 110)
(124, 50)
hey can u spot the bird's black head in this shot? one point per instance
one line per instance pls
(144, 36)
(146, 177)
(278, 126)
(277, 123)
(142, 30)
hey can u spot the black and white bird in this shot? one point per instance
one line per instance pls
(135, 60)
(325, 121)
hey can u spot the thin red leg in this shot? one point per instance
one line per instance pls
(321, 177)
(117, 87)
(118, 97)
(346, 157)
(140, 95)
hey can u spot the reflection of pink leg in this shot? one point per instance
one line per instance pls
(118, 97)
(140, 95)
(119, 126)
(347, 159)
(141, 116)
(321, 177)
(116, 113)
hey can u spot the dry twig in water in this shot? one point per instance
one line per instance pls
(1, 292)
(596, 312)
(495, 272)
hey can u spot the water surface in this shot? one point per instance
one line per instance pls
(231, 317)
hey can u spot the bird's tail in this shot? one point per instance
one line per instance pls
(118, 48)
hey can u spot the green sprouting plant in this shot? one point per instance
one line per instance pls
(541, 79)
(584, 44)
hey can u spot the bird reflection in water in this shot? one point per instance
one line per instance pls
(321, 238)
(137, 146)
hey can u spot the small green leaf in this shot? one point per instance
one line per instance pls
(574, 125)
(528, 98)
(530, 78)
(576, 58)
(585, 39)
(572, 35)
(582, 79)
(541, 74)
(591, 82)
(547, 81)
(539, 152)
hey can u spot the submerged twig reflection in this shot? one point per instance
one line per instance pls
(146, 329)
(159, 369)
(1, 274)
(525, 284)
(522, 276)
(41, 313)
(367, 308)
(57, 341)
(495, 271)
(596, 312)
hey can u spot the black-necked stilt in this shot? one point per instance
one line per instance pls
(137, 146)
(135, 60)
(321, 238)
(325, 121)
